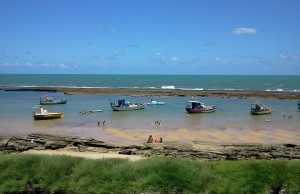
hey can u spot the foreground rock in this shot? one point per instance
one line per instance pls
(194, 151)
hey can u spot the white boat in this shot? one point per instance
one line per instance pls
(260, 109)
(154, 102)
(45, 115)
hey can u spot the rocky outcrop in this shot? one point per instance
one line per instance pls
(194, 151)
(161, 92)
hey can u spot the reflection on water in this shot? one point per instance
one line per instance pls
(16, 115)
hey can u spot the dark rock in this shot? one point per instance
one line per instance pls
(55, 144)
(170, 149)
(127, 152)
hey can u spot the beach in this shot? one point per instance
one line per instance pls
(232, 123)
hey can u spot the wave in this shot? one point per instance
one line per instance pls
(277, 90)
(168, 87)
(197, 89)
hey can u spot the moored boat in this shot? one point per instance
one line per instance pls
(298, 106)
(51, 100)
(260, 109)
(199, 107)
(122, 105)
(45, 115)
(154, 102)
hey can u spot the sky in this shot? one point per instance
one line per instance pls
(150, 37)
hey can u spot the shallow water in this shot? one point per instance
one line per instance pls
(16, 115)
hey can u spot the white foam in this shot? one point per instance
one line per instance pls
(197, 89)
(168, 87)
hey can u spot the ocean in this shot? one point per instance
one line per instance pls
(195, 82)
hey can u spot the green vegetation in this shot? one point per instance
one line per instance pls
(57, 174)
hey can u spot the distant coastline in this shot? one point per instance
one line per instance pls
(167, 91)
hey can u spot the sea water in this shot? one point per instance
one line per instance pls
(17, 107)
(196, 82)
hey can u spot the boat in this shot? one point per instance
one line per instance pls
(199, 107)
(96, 110)
(43, 114)
(154, 102)
(260, 109)
(298, 106)
(90, 111)
(123, 105)
(51, 100)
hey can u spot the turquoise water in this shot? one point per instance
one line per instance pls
(16, 114)
(223, 82)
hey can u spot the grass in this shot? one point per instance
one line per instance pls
(60, 174)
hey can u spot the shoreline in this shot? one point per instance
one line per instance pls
(42, 144)
(159, 92)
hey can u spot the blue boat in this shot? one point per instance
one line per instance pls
(52, 99)
(199, 107)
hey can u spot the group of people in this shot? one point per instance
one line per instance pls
(154, 140)
(289, 116)
(157, 123)
(101, 123)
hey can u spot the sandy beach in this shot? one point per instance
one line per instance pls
(85, 154)
(211, 136)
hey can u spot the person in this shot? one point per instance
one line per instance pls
(150, 139)
(160, 140)
(98, 123)
(103, 123)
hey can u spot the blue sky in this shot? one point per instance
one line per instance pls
(150, 37)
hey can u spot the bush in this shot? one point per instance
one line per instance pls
(61, 174)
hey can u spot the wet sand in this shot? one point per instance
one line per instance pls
(211, 136)
(161, 92)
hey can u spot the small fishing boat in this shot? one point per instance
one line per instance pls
(199, 107)
(122, 105)
(260, 109)
(43, 114)
(298, 106)
(51, 100)
(154, 102)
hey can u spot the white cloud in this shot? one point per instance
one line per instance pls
(282, 56)
(243, 30)
(38, 65)
(290, 57)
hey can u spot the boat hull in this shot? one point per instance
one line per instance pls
(157, 103)
(53, 103)
(124, 108)
(48, 116)
(200, 110)
(265, 112)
